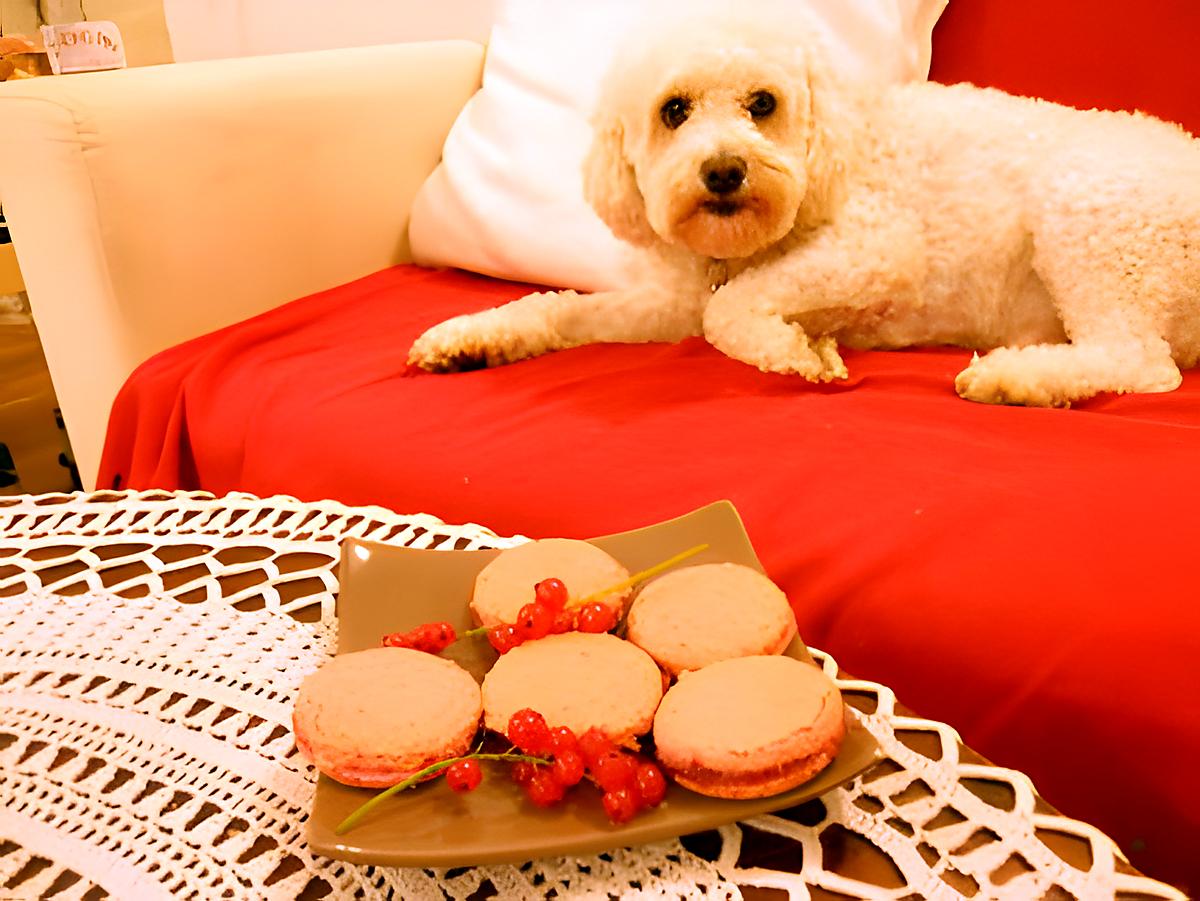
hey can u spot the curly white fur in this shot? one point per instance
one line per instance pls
(1065, 242)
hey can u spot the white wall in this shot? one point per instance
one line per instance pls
(209, 29)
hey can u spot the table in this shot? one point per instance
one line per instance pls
(150, 648)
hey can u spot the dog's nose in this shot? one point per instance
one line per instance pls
(723, 173)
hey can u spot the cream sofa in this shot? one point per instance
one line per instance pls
(148, 206)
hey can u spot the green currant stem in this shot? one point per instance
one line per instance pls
(641, 576)
(361, 812)
(612, 589)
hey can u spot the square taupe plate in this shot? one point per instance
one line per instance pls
(388, 589)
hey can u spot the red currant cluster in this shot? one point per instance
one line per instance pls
(432, 638)
(549, 615)
(546, 763)
(629, 782)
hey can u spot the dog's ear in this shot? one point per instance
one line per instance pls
(831, 141)
(610, 185)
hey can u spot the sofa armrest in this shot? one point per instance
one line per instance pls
(148, 206)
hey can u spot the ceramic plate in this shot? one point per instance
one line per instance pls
(388, 589)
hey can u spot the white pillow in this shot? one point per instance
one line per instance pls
(507, 198)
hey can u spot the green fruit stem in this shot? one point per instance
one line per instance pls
(364, 809)
(640, 576)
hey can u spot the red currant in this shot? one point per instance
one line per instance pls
(421, 639)
(543, 789)
(651, 784)
(522, 772)
(596, 617)
(528, 731)
(534, 621)
(464, 776)
(620, 805)
(444, 635)
(614, 770)
(503, 638)
(551, 593)
(562, 739)
(564, 621)
(567, 768)
(432, 638)
(593, 744)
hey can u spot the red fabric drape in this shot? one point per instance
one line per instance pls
(1027, 575)
(1085, 53)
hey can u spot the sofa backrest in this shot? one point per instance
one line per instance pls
(215, 29)
(148, 206)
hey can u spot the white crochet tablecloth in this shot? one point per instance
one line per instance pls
(150, 648)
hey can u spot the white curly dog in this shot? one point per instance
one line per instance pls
(790, 212)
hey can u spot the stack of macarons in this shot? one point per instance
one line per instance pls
(741, 719)
(574, 679)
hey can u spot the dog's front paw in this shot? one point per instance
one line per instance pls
(773, 345)
(832, 365)
(816, 360)
(458, 345)
(998, 378)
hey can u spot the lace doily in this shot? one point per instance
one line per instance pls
(150, 649)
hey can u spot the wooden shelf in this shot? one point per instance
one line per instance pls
(10, 275)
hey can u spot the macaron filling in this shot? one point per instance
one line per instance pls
(768, 780)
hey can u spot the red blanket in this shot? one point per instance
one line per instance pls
(1026, 575)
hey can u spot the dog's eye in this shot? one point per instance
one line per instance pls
(675, 112)
(761, 105)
